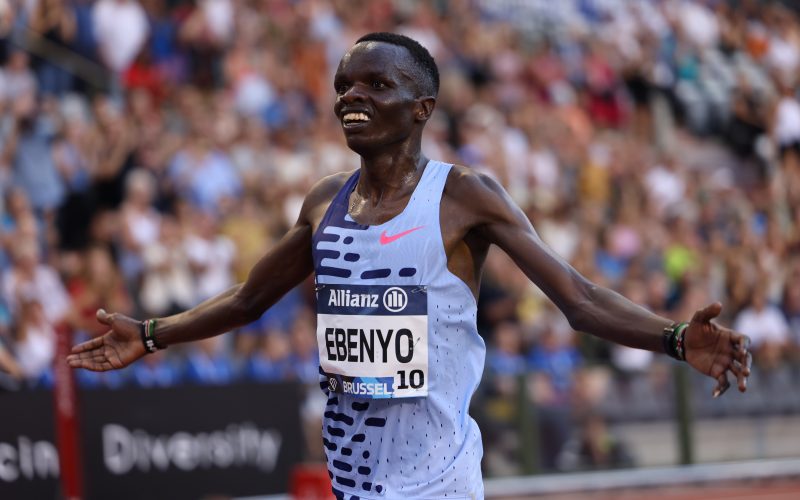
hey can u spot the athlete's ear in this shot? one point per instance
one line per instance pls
(425, 107)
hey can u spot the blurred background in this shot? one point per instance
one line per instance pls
(151, 151)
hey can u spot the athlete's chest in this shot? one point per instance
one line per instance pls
(451, 229)
(371, 213)
(406, 248)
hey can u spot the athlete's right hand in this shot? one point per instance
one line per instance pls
(117, 348)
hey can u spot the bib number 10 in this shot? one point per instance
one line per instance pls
(416, 379)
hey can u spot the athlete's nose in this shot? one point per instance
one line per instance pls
(352, 94)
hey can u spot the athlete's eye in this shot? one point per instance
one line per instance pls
(377, 84)
(341, 88)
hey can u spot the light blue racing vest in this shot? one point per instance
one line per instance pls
(400, 355)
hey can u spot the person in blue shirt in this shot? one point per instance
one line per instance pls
(207, 364)
(271, 361)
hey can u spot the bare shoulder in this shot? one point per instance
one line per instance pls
(476, 193)
(329, 185)
(322, 192)
(319, 197)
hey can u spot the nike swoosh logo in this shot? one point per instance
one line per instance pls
(386, 239)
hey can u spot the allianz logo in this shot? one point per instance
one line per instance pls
(394, 299)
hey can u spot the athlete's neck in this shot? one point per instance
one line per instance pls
(388, 176)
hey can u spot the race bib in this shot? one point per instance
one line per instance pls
(373, 339)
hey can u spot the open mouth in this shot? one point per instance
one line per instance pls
(352, 120)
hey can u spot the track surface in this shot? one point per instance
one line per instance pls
(760, 490)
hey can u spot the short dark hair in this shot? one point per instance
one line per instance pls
(429, 83)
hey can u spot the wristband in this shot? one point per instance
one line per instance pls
(673, 341)
(147, 329)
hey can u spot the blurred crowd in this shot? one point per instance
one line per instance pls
(151, 151)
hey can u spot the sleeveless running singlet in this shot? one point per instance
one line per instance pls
(400, 355)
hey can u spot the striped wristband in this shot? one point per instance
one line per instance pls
(147, 329)
(673, 341)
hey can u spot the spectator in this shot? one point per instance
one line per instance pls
(790, 304)
(120, 28)
(142, 74)
(10, 372)
(17, 80)
(167, 281)
(7, 19)
(203, 174)
(251, 155)
(505, 360)
(666, 185)
(163, 40)
(304, 358)
(768, 328)
(211, 256)
(36, 337)
(28, 150)
(748, 123)
(250, 235)
(74, 154)
(115, 139)
(208, 363)
(18, 221)
(37, 283)
(206, 30)
(99, 285)
(632, 361)
(155, 371)
(783, 49)
(594, 447)
(55, 22)
(495, 408)
(140, 222)
(554, 361)
(785, 128)
(271, 361)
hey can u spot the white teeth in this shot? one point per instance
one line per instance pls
(355, 117)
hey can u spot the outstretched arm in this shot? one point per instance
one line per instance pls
(596, 310)
(286, 265)
(280, 270)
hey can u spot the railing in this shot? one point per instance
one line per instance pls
(92, 73)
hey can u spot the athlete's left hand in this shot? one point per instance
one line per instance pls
(714, 350)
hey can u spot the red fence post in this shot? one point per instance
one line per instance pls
(66, 419)
(310, 482)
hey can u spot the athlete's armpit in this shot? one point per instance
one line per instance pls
(492, 216)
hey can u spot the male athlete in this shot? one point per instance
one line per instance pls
(397, 248)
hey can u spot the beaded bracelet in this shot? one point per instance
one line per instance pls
(147, 329)
(673, 341)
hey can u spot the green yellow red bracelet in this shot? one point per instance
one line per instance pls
(147, 329)
(673, 340)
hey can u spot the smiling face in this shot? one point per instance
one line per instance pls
(377, 99)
